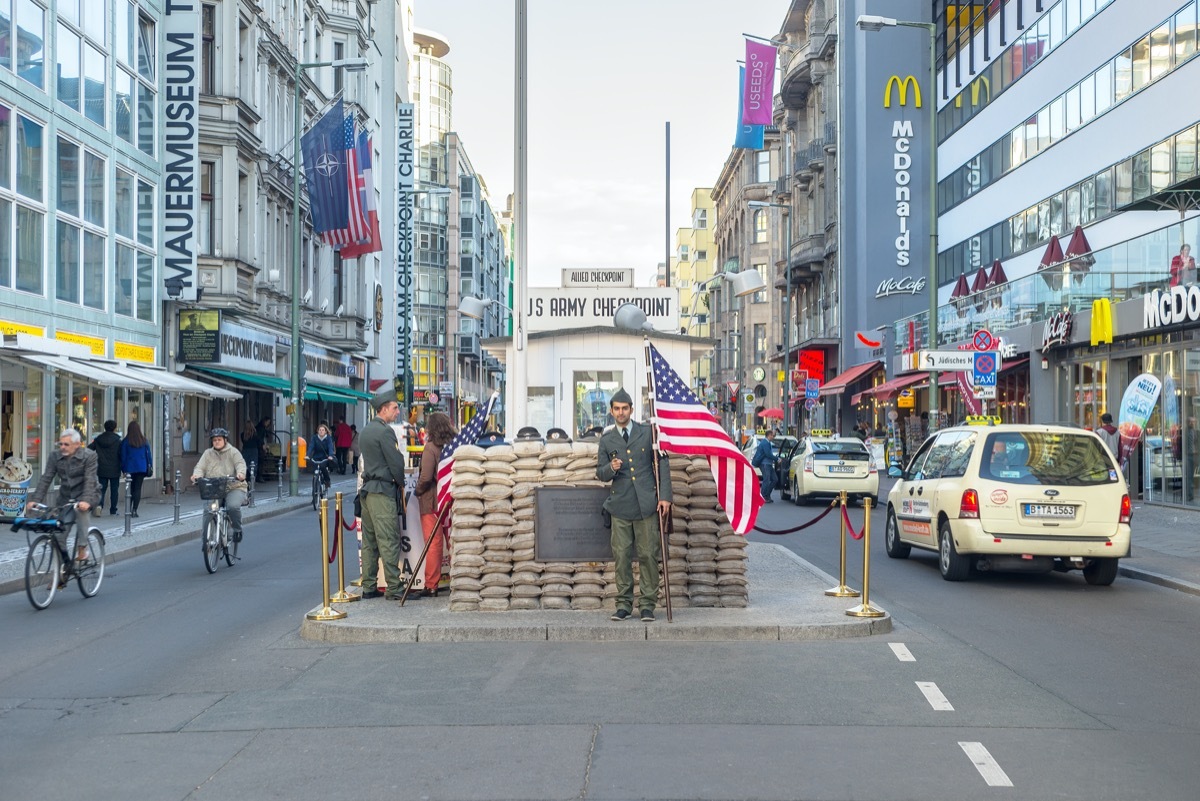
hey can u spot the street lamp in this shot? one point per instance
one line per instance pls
(350, 65)
(871, 22)
(787, 303)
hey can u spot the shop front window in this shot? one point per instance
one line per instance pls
(1189, 413)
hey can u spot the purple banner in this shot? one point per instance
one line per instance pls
(759, 86)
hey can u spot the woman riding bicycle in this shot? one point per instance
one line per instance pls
(75, 468)
(219, 461)
(322, 452)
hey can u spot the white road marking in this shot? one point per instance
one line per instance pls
(934, 696)
(901, 651)
(988, 768)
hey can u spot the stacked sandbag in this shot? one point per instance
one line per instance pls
(492, 556)
(466, 537)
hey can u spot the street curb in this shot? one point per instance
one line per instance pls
(1159, 579)
(121, 554)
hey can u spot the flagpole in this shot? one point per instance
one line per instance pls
(662, 527)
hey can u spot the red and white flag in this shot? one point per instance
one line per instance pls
(358, 229)
(685, 426)
(471, 432)
(367, 198)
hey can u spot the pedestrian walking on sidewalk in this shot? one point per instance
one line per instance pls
(137, 461)
(625, 453)
(343, 437)
(1108, 432)
(108, 465)
(764, 460)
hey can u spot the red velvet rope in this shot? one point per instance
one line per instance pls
(850, 527)
(794, 529)
(333, 552)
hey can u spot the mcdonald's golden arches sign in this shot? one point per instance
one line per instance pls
(902, 85)
(1103, 326)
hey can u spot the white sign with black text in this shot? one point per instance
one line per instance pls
(552, 309)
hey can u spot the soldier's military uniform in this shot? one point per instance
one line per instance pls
(383, 483)
(632, 502)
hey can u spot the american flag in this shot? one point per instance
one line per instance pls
(686, 426)
(358, 229)
(471, 432)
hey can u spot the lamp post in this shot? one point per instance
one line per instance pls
(741, 284)
(870, 22)
(350, 65)
(787, 304)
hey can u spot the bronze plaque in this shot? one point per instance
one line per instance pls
(569, 525)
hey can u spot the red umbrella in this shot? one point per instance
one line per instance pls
(778, 413)
(961, 290)
(1079, 253)
(1051, 259)
(996, 279)
(977, 287)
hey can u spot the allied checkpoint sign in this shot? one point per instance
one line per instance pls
(557, 308)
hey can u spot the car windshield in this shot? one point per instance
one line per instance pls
(1047, 457)
(838, 449)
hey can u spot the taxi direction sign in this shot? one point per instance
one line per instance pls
(985, 370)
(812, 388)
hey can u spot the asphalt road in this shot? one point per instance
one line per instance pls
(174, 684)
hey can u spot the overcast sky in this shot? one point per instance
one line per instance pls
(604, 78)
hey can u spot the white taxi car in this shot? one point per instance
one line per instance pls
(1028, 498)
(825, 466)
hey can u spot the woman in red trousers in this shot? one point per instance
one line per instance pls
(438, 433)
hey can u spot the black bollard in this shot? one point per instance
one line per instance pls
(178, 490)
(251, 479)
(128, 505)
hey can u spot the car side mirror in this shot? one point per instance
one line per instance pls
(895, 472)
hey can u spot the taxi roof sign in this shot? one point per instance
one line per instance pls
(821, 432)
(983, 420)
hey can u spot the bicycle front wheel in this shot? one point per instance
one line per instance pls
(316, 491)
(211, 544)
(90, 572)
(43, 564)
(226, 541)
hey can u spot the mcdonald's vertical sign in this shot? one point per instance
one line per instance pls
(1102, 322)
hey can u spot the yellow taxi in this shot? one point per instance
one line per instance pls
(1028, 498)
(824, 466)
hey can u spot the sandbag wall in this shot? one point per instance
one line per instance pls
(492, 565)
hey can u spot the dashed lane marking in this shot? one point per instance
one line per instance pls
(934, 696)
(901, 651)
(987, 766)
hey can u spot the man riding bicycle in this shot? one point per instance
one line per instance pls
(75, 468)
(219, 461)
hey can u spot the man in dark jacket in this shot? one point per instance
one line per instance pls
(382, 484)
(764, 460)
(624, 455)
(75, 468)
(108, 464)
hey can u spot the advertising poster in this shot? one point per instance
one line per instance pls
(1136, 405)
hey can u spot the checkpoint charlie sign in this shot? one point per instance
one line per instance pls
(553, 309)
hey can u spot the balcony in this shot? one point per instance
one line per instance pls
(831, 138)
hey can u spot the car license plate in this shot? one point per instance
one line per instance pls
(840, 468)
(1049, 510)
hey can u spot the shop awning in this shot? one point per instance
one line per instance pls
(254, 379)
(167, 381)
(103, 376)
(1013, 365)
(328, 394)
(888, 389)
(839, 383)
(357, 394)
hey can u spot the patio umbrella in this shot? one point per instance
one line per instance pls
(961, 290)
(1079, 254)
(977, 287)
(996, 279)
(776, 413)
(1050, 267)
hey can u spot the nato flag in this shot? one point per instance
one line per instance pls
(324, 147)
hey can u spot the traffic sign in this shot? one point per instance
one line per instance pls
(986, 367)
(810, 403)
(948, 359)
(733, 387)
(983, 340)
(812, 388)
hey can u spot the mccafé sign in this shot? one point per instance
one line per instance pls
(1057, 330)
(1177, 305)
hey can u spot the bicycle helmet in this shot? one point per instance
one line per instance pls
(218, 432)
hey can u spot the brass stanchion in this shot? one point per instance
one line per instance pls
(841, 590)
(341, 596)
(865, 609)
(325, 612)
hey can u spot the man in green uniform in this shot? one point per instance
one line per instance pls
(625, 457)
(382, 484)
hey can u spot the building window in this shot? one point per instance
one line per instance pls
(30, 32)
(134, 83)
(134, 294)
(762, 166)
(204, 231)
(761, 295)
(760, 225)
(208, 43)
(683, 252)
(760, 342)
(80, 241)
(700, 219)
(701, 255)
(339, 73)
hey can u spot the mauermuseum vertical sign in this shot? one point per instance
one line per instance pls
(405, 238)
(181, 140)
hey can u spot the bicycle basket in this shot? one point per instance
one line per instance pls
(212, 488)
